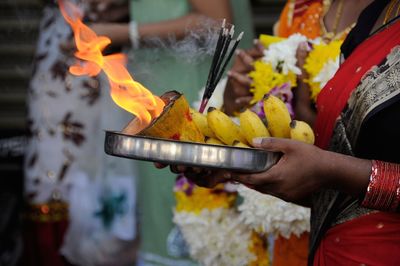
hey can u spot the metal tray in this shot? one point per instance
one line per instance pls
(173, 152)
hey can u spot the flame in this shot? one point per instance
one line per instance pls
(125, 91)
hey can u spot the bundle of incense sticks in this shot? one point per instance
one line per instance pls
(222, 55)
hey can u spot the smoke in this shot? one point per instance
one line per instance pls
(198, 43)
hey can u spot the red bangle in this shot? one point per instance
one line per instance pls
(383, 192)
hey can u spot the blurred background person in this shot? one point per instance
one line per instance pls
(79, 200)
(171, 49)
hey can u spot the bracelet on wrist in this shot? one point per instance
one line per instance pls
(134, 34)
(383, 192)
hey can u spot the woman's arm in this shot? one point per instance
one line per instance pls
(304, 169)
(201, 10)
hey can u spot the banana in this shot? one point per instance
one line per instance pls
(223, 127)
(252, 126)
(214, 141)
(277, 116)
(201, 122)
(300, 130)
(237, 143)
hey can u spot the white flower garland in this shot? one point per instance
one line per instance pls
(268, 214)
(213, 229)
(283, 54)
(216, 237)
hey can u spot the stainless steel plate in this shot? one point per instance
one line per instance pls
(188, 153)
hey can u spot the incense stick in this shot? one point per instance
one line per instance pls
(225, 47)
(222, 70)
(215, 57)
(220, 61)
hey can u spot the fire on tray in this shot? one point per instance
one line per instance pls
(125, 91)
(175, 122)
(166, 117)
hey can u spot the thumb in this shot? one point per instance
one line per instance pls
(272, 144)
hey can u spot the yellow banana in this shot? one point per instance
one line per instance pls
(300, 130)
(277, 116)
(223, 127)
(237, 143)
(214, 141)
(201, 122)
(252, 126)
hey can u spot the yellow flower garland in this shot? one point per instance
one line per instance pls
(315, 62)
(257, 247)
(265, 78)
(269, 71)
(203, 198)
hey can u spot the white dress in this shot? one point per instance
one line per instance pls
(65, 159)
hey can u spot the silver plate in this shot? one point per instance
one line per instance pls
(189, 153)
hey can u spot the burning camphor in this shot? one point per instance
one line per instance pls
(125, 91)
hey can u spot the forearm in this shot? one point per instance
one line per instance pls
(346, 173)
(201, 11)
(376, 183)
(119, 32)
(177, 27)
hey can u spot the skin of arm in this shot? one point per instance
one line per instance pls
(119, 32)
(304, 169)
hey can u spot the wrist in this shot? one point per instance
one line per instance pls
(345, 173)
(326, 169)
(134, 34)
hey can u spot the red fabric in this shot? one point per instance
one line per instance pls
(42, 242)
(373, 239)
(333, 98)
(292, 251)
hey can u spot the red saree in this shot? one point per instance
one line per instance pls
(344, 244)
(366, 239)
(333, 98)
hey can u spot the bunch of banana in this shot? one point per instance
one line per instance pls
(201, 122)
(300, 130)
(252, 126)
(228, 132)
(277, 116)
(214, 141)
(223, 127)
(239, 144)
(280, 124)
(220, 129)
